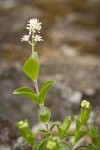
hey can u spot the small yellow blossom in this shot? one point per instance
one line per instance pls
(85, 104)
(22, 124)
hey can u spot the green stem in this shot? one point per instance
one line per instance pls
(47, 126)
(36, 88)
(32, 51)
(32, 46)
(42, 106)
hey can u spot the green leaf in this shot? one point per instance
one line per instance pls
(44, 90)
(79, 135)
(92, 131)
(24, 89)
(67, 134)
(58, 127)
(31, 69)
(44, 114)
(95, 145)
(28, 93)
(98, 137)
(77, 123)
(65, 125)
(55, 124)
(43, 130)
(42, 144)
(96, 141)
(85, 114)
(64, 146)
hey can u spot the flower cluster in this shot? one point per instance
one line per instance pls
(33, 26)
(85, 104)
(37, 38)
(25, 38)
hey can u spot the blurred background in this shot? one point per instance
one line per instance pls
(69, 54)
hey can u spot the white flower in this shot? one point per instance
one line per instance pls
(37, 38)
(33, 25)
(25, 38)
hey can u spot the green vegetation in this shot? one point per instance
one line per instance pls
(50, 141)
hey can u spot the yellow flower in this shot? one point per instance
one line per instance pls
(85, 104)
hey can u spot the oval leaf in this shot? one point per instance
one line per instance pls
(31, 69)
(24, 89)
(28, 93)
(44, 90)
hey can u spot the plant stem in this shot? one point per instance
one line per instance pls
(47, 126)
(42, 106)
(32, 50)
(36, 88)
(32, 45)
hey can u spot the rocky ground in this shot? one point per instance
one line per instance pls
(69, 55)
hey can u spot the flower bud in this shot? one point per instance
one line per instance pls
(23, 124)
(85, 104)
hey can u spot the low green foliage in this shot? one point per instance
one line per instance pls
(50, 142)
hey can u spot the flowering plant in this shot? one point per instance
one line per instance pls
(50, 141)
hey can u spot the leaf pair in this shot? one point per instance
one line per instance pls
(65, 127)
(85, 114)
(31, 94)
(63, 130)
(79, 133)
